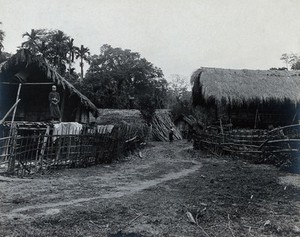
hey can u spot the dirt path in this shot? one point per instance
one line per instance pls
(119, 191)
(150, 196)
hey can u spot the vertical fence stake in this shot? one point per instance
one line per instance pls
(44, 146)
(12, 156)
(13, 133)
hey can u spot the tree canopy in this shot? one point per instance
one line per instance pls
(291, 60)
(83, 54)
(56, 46)
(116, 78)
(2, 35)
(121, 79)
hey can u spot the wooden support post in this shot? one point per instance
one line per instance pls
(255, 121)
(15, 109)
(12, 155)
(9, 111)
(69, 143)
(221, 127)
(222, 131)
(42, 152)
(59, 141)
(13, 133)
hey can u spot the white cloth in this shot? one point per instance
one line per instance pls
(104, 129)
(66, 128)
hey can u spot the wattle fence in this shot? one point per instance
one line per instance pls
(41, 150)
(276, 144)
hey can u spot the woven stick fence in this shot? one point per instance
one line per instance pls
(253, 143)
(35, 153)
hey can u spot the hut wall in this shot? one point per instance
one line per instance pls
(263, 115)
(206, 114)
(84, 118)
(82, 115)
(251, 115)
(33, 106)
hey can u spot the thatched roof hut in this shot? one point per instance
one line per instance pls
(118, 116)
(160, 125)
(36, 76)
(248, 96)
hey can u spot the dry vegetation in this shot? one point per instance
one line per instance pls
(247, 85)
(151, 196)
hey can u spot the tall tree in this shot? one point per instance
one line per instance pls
(33, 40)
(71, 52)
(3, 55)
(120, 78)
(179, 96)
(52, 45)
(2, 35)
(58, 49)
(178, 86)
(83, 54)
(289, 59)
(296, 65)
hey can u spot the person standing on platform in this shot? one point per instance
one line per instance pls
(54, 100)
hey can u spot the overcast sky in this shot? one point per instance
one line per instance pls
(178, 36)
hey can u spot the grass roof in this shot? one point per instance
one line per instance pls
(24, 59)
(239, 86)
(116, 116)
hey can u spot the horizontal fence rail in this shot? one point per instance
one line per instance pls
(36, 152)
(251, 142)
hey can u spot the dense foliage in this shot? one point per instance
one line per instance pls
(2, 35)
(291, 60)
(116, 78)
(121, 79)
(3, 55)
(57, 47)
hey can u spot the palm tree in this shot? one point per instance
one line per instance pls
(43, 49)
(2, 34)
(83, 53)
(32, 42)
(71, 52)
(59, 49)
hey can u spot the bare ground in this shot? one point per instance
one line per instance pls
(150, 196)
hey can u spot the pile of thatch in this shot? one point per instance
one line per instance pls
(161, 124)
(116, 116)
(129, 122)
(240, 86)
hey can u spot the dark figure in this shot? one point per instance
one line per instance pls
(190, 134)
(171, 134)
(54, 99)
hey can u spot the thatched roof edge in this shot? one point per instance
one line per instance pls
(244, 86)
(24, 57)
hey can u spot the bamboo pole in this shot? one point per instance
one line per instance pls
(9, 111)
(28, 83)
(12, 157)
(13, 133)
(44, 146)
(15, 108)
(255, 121)
(37, 152)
